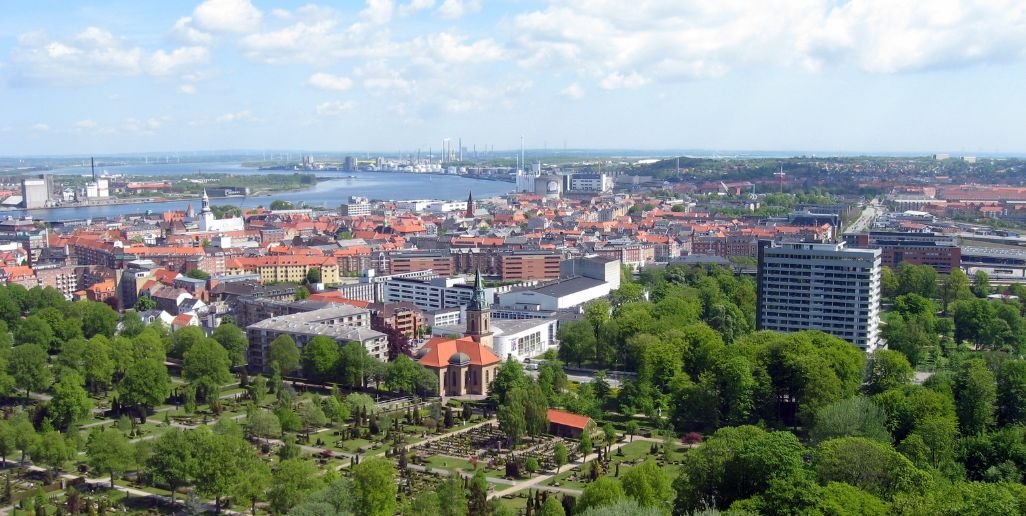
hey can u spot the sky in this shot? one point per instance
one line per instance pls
(810, 76)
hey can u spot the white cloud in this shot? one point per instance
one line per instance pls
(165, 63)
(573, 91)
(326, 81)
(241, 116)
(627, 44)
(414, 6)
(188, 89)
(450, 48)
(231, 16)
(378, 12)
(146, 126)
(95, 55)
(453, 9)
(185, 32)
(335, 108)
(39, 127)
(85, 124)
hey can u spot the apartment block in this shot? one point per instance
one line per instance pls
(815, 286)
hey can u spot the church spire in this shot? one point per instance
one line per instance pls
(470, 206)
(478, 302)
(205, 202)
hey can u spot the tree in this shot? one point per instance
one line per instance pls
(954, 288)
(313, 275)
(70, 402)
(90, 358)
(602, 492)
(320, 358)
(97, 318)
(8, 440)
(29, 366)
(478, 503)
(402, 375)
(584, 446)
(34, 330)
(207, 364)
(219, 462)
(975, 394)
(279, 204)
(867, 464)
(887, 369)
(171, 461)
(293, 481)
(1011, 392)
(234, 341)
(509, 376)
(559, 453)
(552, 380)
(284, 353)
(552, 507)
(311, 415)
(609, 433)
(576, 341)
(512, 420)
(374, 488)
(253, 484)
(355, 364)
(452, 497)
(858, 417)
(52, 450)
(197, 274)
(301, 293)
(981, 284)
(263, 424)
(648, 485)
(109, 452)
(144, 303)
(145, 385)
(25, 436)
(917, 279)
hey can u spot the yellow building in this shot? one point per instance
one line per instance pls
(285, 269)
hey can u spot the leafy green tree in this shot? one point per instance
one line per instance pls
(52, 450)
(171, 461)
(293, 481)
(354, 364)
(552, 507)
(576, 342)
(109, 452)
(602, 492)
(311, 415)
(981, 284)
(1011, 392)
(552, 380)
(621, 507)
(301, 293)
(452, 497)
(97, 318)
(144, 303)
(858, 417)
(648, 485)
(285, 354)
(374, 488)
(313, 275)
(145, 385)
(184, 339)
(219, 462)
(263, 424)
(29, 366)
(253, 484)
(560, 455)
(867, 464)
(8, 440)
(509, 376)
(584, 446)
(974, 321)
(975, 395)
(917, 279)
(478, 503)
(233, 340)
(402, 375)
(955, 287)
(90, 358)
(512, 418)
(320, 358)
(207, 363)
(25, 436)
(887, 370)
(70, 402)
(34, 330)
(847, 500)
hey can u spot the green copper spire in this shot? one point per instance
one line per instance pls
(478, 302)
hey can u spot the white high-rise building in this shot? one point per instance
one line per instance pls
(827, 287)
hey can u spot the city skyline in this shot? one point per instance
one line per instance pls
(811, 76)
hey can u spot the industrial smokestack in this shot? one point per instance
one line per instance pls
(92, 167)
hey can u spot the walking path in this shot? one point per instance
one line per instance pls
(520, 486)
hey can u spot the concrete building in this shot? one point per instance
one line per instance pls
(433, 294)
(938, 251)
(529, 265)
(208, 222)
(514, 339)
(35, 191)
(343, 323)
(827, 287)
(591, 183)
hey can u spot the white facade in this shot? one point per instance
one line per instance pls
(207, 221)
(821, 287)
(591, 183)
(433, 294)
(514, 339)
(558, 296)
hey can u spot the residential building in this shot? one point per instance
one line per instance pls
(343, 323)
(816, 286)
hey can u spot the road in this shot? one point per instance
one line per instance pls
(581, 376)
(873, 210)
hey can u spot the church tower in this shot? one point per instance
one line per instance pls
(470, 206)
(479, 316)
(206, 221)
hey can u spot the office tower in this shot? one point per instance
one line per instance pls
(814, 286)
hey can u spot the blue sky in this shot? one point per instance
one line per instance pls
(799, 75)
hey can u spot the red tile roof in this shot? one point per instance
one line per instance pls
(439, 349)
(569, 419)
